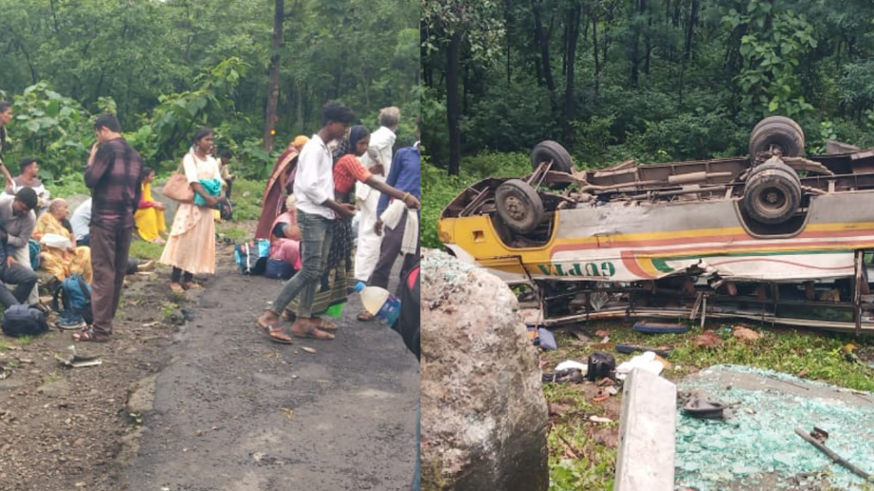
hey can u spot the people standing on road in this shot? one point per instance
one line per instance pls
(190, 248)
(225, 155)
(347, 171)
(27, 178)
(404, 175)
(378, 161)
(61, 257)
(113, 174)
(338, 275)
(277, 186)
(150, 213)
(316, 210)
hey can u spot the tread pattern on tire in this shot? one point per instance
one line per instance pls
(777, 130)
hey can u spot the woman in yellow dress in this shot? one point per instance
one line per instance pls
(149, 216)
(58, 252)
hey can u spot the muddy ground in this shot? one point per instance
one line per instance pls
(192, 396)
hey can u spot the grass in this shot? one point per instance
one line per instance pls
(145, 250)
(24, 340)
(234, 233)
(577, 461)
(168, 309)
(246, 196)
(807, 354)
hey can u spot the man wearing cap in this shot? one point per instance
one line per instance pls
(18, 220)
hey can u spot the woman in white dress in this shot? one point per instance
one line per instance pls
(190, 247)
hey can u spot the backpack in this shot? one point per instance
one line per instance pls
(278, 269)
(251, 256)
(72, 299)
(24, 320)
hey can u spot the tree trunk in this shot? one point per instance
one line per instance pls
(573, 34)
(543, 44)
(690, 29)
(273, 83)
(453, 114)
(597, 99)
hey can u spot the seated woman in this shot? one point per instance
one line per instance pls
(285, 235)
(149, 216)
(59, 254)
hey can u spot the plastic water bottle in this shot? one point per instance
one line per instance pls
(379, 302)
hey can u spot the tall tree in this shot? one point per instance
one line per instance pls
(270, 117)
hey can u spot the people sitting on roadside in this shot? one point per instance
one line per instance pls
(13, 273)
(27, 178)
(81, 230)
(18, 220)
(58, 251)
(149, 217)
(81, 223)
(285, 236)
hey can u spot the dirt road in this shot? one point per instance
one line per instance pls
(234, 411)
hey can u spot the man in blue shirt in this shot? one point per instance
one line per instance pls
(404, 175)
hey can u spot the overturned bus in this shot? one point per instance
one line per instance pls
(772, 236)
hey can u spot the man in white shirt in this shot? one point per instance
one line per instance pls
(81, 223)
(378, 161)
(28, 177)
(316, 209)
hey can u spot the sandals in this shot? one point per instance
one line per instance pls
(312, 331)
(88, 334)
(365, 316)
(192, 285)
(277, 335)
(324, 325)
(274, 333)
(177, 288)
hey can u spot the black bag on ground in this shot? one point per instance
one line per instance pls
(600, 365)
(24, 320)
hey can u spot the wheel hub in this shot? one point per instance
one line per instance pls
(515, 207)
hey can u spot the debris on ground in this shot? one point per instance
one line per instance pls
(708, 340)
(600, 365)
(758, 447)
(648, 327)
(745, 334)
(600, 419)
(571, 364)
(572, 375)
(646, 361)
(628, 349)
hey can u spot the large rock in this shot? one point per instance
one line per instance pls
(484, 417)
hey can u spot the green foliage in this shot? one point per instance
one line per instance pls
(775, 44)
(53, 128)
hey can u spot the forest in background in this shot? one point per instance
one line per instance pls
(167, 67)
(658, 80)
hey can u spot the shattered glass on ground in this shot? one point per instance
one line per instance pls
(756, 446)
